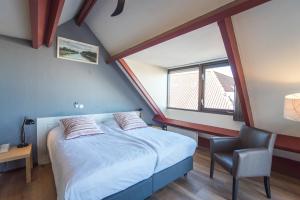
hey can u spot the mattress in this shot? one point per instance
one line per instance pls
(94, 167)
(170, 147)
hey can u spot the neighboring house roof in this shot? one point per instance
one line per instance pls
(219, 90)
(184, 91)
(226, 81)
(219, 93)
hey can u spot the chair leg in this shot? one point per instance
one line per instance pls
(267, 186)
(235, 187)
(212, 167)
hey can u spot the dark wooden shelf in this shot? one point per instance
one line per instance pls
(196, 127)
(283, 142)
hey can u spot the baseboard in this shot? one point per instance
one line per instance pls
(203, 142)
(281, 165)
(286, 166)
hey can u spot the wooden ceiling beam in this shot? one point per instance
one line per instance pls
(53, 19)
(227, 10)
(39, 18)
(227, 32)
(84, 11)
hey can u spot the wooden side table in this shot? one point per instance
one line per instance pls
(15, 153)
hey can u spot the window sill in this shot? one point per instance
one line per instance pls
(203, 111)
(218, 131)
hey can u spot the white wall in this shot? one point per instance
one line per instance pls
(268, 38)
(154, 79)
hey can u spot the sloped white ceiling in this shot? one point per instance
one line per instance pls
(70, 9)
(201, 45)
(15, 17)
(143, 19)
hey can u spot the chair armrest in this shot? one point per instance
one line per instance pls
(223, 144)
(252, 162)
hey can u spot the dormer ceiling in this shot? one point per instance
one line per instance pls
(201, 45)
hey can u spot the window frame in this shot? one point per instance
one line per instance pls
(168, 87)
(202, 67)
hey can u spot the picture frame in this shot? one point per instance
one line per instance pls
(77, 51)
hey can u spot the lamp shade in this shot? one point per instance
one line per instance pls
(292, 107)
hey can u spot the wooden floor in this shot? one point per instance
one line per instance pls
(196, 186)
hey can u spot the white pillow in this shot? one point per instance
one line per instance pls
(129, 120)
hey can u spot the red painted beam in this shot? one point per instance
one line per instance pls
(140, 87)
(53, 19)
(227, 32)
(84, 11)
(39, 18)
(227, 10)
(286, 166)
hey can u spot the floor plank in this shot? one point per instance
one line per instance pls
(196, 186)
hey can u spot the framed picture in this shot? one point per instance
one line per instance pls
(77, 51)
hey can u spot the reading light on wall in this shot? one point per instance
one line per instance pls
(292, 107)
(78, 105)
(140, 110)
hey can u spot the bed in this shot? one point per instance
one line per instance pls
(170, 147)
(174, 151)
(91, 167)
(76, 169)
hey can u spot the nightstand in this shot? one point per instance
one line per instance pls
(15, 153)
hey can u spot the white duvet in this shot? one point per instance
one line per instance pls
(94, 167)
(170, 147)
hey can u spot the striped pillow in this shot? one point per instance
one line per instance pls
(80, 126)
(129, 120)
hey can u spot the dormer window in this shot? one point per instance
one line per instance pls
(207, 87)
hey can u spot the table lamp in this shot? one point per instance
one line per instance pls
(26, 121)
(292, 107)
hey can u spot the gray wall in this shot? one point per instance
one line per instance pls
(35, 83)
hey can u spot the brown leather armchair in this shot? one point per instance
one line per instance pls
(248, 155)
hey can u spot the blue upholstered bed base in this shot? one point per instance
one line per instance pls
(164, 177)
(139, 191)
(147, 187)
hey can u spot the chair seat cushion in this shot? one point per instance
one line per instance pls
(225, 160)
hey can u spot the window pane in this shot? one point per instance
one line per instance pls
(183, 88)
(219, 88)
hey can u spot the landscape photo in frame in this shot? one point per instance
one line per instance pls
(77, 51)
